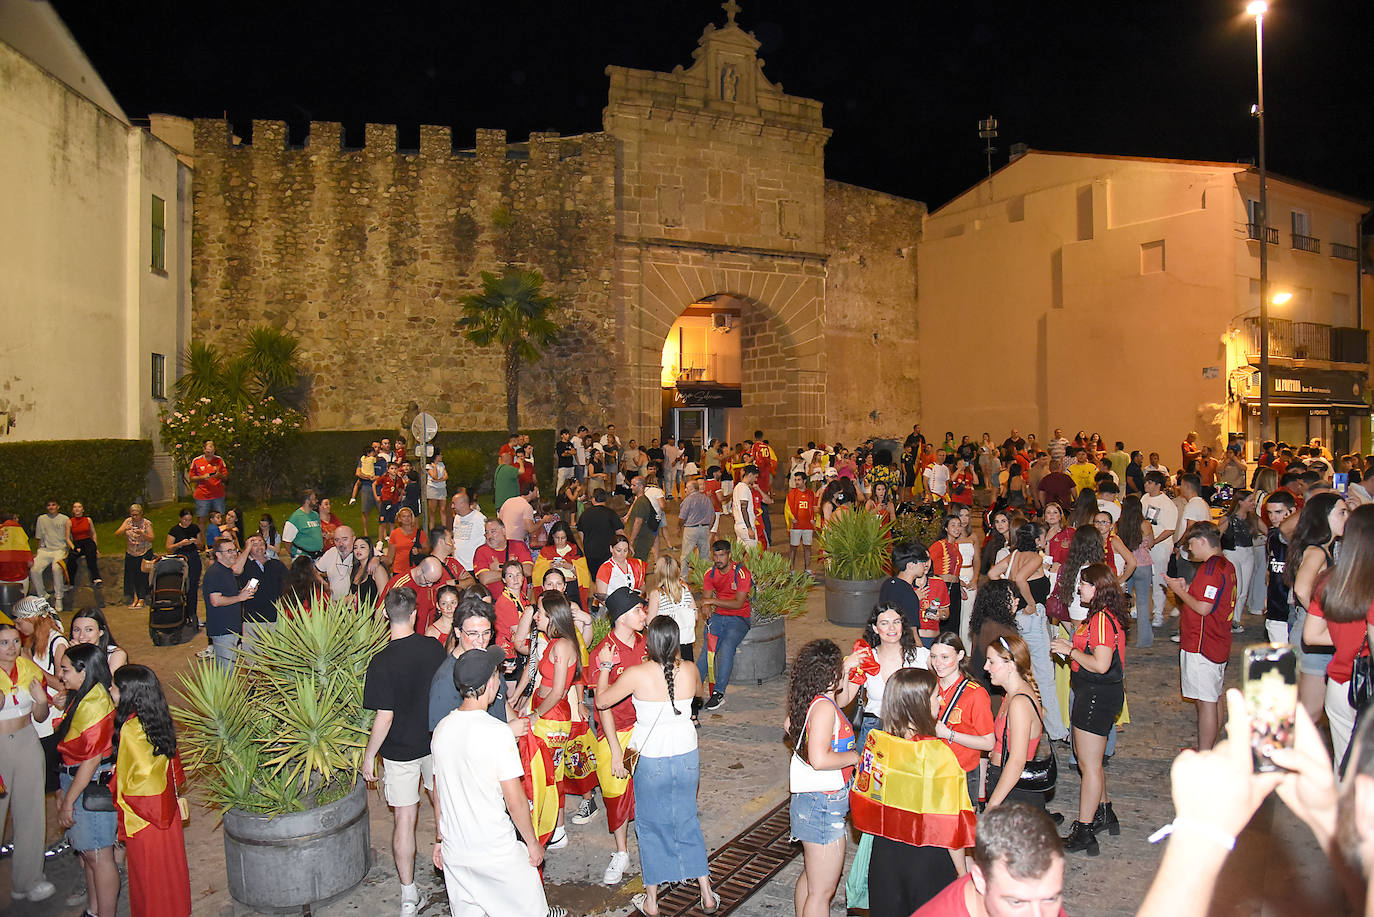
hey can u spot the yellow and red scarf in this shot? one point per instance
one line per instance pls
(91, 731)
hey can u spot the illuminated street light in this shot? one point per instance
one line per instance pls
(1281, 298)
(1258, 8)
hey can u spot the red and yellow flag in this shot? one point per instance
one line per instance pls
(577, 768)
(541, 785)
(711, 641)
(91, 733)
(913, 792)
(616, 792)
(145, 793)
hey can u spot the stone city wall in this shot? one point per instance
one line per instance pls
(363, 255)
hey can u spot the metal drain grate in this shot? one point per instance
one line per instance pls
(739, 867)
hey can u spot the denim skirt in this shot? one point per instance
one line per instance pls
(671, 846)
(91, 830)
(818, 818)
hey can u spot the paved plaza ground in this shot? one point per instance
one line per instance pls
(1276, 870)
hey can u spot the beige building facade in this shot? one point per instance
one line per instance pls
(1120, 295)
(95, 249)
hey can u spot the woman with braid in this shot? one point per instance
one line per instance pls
(671, 846)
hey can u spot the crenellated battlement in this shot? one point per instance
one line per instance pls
(269, 137)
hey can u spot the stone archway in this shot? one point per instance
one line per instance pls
(782, 299)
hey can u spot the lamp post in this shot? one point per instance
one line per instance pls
(1257, 9)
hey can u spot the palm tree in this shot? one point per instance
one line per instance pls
(266, 366)
(511, 311)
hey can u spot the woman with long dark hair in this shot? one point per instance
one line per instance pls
(997, 544)
(85, 743)
(369, 576)
(1057, 535)
(23, 701)
(823, 757)
(1137, 535)
(1239, 535)
(563, 554)
(1097, 655)
(89, 626)
(886, 647)
(946, 560)
(905, 873)
(1083, 510)
(667, 822)
(446, 605)
(555, 679)
(1311, 552)
(1026, 570)
(993, 617)
(964, 717)
(1342, 602)
(146, 776)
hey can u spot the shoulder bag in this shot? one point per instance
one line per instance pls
(1361, 689)
(1041, 773)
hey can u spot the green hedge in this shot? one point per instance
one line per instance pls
(326, 459)
(105, 475)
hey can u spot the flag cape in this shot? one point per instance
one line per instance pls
(91, 733)
(616, 792)
(25, 672)
(541, 787)
(912, 792)
(144, 784)
(711, 641)
(577, 765)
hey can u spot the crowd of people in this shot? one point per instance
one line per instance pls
(1004, 636)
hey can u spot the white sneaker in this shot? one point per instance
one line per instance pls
(559, 840)
(615, 870)
(1157, 619)
(413, 908)
(41, 891)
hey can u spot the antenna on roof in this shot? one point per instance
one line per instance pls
(987, 132)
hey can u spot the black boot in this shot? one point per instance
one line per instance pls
(1105, 820)
(1081, 839)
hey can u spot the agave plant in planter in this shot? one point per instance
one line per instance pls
(276, 743)
(857, 545)
(779, 593)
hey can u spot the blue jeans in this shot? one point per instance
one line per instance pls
(1034, 629)
(226, 648)
(729, 631)
(1139, 586)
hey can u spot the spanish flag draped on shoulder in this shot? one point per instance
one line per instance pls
(912, 792)
(91, 731)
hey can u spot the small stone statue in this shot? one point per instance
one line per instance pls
(729, 83)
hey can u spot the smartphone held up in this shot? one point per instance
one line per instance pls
(1270, 686)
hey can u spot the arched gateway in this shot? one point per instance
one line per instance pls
(722, 212)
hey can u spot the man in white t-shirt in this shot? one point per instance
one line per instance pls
(1162, 515)
(1195, 509)
(746, 508)
(469, 528)
(579, 442)
(477, 795)
(936, 477)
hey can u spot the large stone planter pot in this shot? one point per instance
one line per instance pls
(286, 862)
(762, 654)
(850, 603)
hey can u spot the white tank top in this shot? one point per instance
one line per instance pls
(661, 733)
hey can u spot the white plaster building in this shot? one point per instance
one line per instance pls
(95, 242)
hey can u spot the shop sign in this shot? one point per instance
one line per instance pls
(707, 396)
(1318, 386)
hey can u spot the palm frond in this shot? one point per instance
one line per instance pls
(202, 376)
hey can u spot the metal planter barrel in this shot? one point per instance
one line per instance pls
(762, 654)
(288, 861)
(850, 603)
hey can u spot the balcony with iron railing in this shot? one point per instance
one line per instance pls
(1307, 341)
(707, 367)
(1303, 243)
(1345, 252)
(1271, 235)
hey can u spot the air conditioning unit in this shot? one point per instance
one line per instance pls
(722, 322)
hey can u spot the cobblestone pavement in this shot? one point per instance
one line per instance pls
(1276, 869)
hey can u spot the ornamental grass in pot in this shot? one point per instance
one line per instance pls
(275, 745)
(857, 546)
(778, 593)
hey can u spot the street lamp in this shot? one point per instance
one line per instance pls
(1258, 8)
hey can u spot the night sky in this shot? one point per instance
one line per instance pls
(903, 83)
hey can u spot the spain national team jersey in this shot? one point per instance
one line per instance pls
(1210, 634)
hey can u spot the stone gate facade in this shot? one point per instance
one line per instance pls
(705, 181)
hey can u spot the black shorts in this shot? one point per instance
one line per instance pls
(389, 511)
(1096, 707)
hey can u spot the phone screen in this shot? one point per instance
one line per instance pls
(1340, 482)
(1271, 696)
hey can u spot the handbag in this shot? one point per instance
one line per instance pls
(1039, 774)
(629, 757)
(1361, 689)
(97, 798)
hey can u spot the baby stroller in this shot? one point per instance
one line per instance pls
(167, 624)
